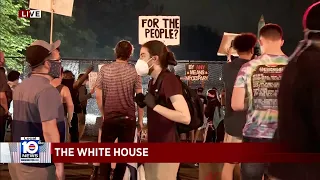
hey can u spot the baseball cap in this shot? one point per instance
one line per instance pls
(39, 50)
(310, 18)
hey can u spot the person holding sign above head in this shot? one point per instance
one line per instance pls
(164, 113)
(256, 90)
(234, 121)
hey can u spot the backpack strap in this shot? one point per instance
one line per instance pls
(159, 83)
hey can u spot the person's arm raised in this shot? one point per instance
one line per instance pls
(85, 76)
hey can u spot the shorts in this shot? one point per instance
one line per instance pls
(161, 171)
(231, 139)
(23, 172)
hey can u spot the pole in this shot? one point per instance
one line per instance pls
(51, 23)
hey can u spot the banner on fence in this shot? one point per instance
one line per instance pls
(162, 28)
(92, 79)
(197, 72)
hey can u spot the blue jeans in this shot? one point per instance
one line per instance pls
(253, 171)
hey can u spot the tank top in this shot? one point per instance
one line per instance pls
(59, 88)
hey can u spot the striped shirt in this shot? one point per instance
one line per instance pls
(118, 82)
(261, 79)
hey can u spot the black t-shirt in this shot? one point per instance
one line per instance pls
(233, 121)
(298, 120)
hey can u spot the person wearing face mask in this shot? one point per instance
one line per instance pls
(38, 110)
(256, 90)
(301, 76)
(154, 60)
(83, 98)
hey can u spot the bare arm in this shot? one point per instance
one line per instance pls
(138, 89)
(4, 101)
(239, 92)
(237, 99)
(99, 100)
(50, 131)
(68, 100)
(80, 81)
(181, 113)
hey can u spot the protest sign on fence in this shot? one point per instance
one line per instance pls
(92, 79)
(197, 72)
(162, 28)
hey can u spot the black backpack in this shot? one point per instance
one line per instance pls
(194, 103)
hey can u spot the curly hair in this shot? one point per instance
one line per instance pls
(244, 42)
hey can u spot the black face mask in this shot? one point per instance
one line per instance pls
(55, 69)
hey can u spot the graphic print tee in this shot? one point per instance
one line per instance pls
(261, 80)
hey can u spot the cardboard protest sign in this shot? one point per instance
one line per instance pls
(61, 7)
(226, 43)
(197, 72)
(162, 28)
(92, 79)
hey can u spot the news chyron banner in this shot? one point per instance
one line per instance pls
(29, 150)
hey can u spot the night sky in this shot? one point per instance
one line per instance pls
(241, 15)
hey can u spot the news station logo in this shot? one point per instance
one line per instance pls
(30, 152)
(29, 13)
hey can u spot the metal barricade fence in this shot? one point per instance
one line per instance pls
(78, 66)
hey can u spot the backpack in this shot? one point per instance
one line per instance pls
(194, 102)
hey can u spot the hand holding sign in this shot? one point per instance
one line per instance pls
(162, 28)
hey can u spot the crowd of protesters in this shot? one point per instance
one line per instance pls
(253, 106)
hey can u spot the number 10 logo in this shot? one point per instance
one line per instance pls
(30, 147)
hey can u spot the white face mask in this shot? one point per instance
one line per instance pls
(142, 67)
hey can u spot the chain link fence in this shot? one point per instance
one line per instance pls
(78, 66)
